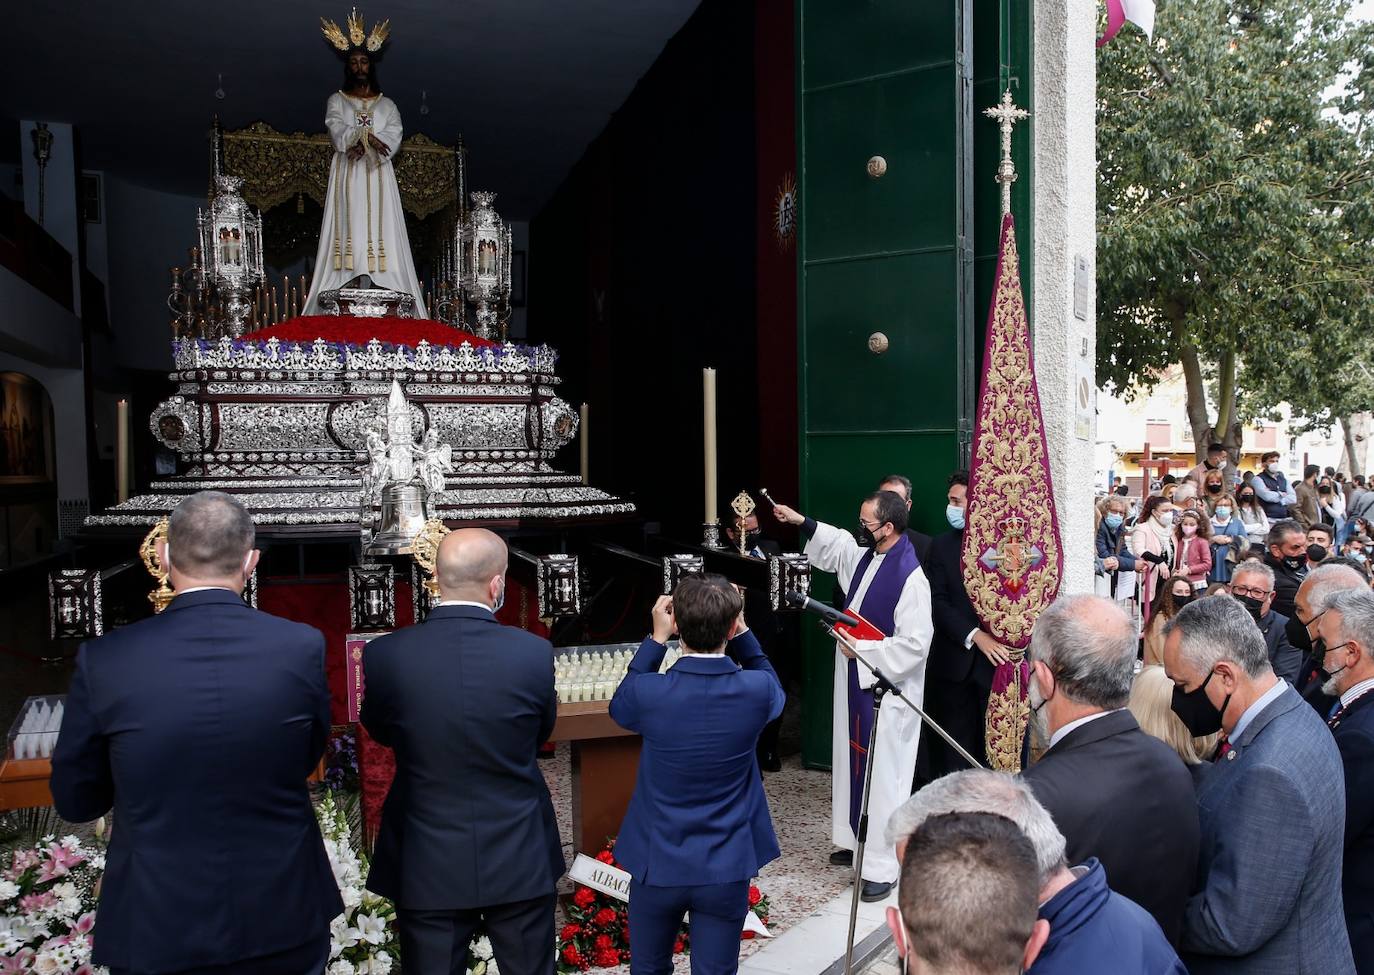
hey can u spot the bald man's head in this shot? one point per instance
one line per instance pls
(472, 566)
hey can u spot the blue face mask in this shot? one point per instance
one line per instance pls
(955, 516)
(1114, 521)
(1223, 513)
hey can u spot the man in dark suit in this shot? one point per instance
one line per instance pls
(1116, 793)
(468, 833)
(1272, 809)
(698, 829)
(1253, 584)
(199, 726)
(1320, 584)
(900, 485)
(962, 656)
(1347, 627)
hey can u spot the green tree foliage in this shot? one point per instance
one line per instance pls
(1236, 209)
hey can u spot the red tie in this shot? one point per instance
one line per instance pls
(1223, 750)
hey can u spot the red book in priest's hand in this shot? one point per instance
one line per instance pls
(864, 631)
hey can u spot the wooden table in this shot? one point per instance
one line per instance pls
(24, 783)
(605, 763)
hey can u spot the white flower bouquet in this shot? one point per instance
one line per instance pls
(47, 908)
(362, 940)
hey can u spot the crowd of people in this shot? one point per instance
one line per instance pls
(1198, 796)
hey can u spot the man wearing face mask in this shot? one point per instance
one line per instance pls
(1272, 809)
(1139, 815)
(1215, 461)
(1307, 510)
(962, 656)
(468, 834)
(1253, 585)
(1347, 627)
(1271, 486)
(1303, 633)
(885, 583)
(1319, 544)
(199, 727)
(1286, 554)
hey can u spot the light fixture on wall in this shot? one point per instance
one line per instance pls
(42, 152)
(219, 87)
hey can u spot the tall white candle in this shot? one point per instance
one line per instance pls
(583, 445)
(122, 450)
(708, 387)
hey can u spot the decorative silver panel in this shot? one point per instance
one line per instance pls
(75, 604)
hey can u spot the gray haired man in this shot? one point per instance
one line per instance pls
(1347, 628)
(1139, 816)
(1303, 632)
(1272, 810)
(1092, 928)
(1253, 584)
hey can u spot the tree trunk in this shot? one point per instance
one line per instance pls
(1355, 436)
(1196, 399)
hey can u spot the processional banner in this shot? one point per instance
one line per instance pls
(1012, 561)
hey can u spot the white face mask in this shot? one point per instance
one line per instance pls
(1272, 468)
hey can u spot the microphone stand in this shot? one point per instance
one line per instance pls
(881, 686)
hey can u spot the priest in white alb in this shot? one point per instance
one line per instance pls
(364, 229)
(883, 581)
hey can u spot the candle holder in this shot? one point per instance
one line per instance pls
(147, 551)
(787, 573)
(677, 567)
(75, 604)
(371, 597)
(710, 536)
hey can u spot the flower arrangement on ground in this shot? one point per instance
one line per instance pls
(362, 940)
(47, 908)
(597, 933)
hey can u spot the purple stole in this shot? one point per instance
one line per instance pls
(880, 609)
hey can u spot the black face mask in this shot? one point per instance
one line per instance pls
(1255, 607)
(752, 538)
(1181, 601)
(864, 537)
(1199, 715)
(1247, 498)
(1214, 488)
(1297, 634)
(1294, 562)
(1315, 552)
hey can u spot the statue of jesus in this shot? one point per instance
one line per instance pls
(364, 230)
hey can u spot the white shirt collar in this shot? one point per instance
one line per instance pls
(464, 602)
(720, 654)
(1058, 736)
(1357, 690)
(1253, 710)
(187, 592)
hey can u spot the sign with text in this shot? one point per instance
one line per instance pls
(615, 882)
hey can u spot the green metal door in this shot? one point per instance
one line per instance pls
(889, 254)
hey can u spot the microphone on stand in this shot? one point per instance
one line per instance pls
(829, 613)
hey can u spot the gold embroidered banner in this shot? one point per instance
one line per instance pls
(1012, 560)
(278, 166)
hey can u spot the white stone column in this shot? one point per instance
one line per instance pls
(1064, 182)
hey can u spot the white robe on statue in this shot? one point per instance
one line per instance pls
(364, 229)
(902, 659)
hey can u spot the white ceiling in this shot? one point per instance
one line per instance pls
(528, 84)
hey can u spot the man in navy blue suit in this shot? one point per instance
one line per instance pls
(1347, 628)
(199, 727)
(468, 834)
(697, 830)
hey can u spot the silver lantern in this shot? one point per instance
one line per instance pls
(231, 251)
(484, 248)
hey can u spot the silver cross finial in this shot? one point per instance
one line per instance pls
(1006, 114)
